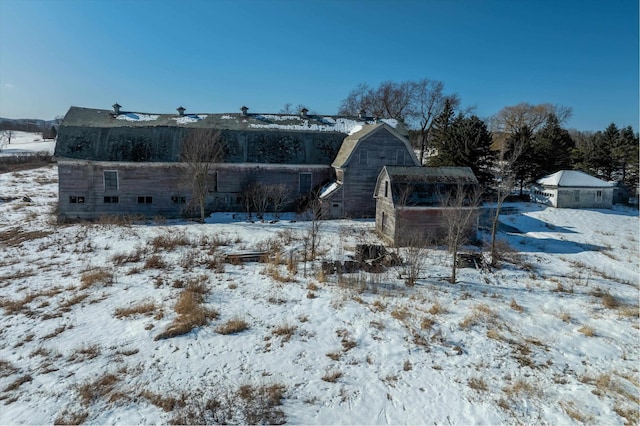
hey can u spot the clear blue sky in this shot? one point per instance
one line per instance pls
(215, 56)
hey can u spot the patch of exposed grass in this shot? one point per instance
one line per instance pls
(97, 276)
(190, 310)
(478, 383)
(587, 330)
(93, 390)
(575, 413)
(332, 376)
(481, 314)
(233, 326)
(145, 308)
(17, 383)
(285, 332)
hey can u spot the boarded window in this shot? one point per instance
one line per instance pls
(576, 196)
(145, 200)
(111, 200)
(305, 183)
(176, 199)
(400, 157)
(364, 159)
(74, 200)
(110, 180)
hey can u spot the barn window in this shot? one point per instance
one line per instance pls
(598, 196)
(400, 157)
(178, 200)
(304, 183)
(111, 200)
(576, 196)
(386, 188)
(110, 180)
(364, 158)
(74, 199)
(383, 222)
(145, 200)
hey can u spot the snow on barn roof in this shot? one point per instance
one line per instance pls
(573, 178)
(89, 117)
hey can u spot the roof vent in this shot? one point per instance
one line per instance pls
(362, 114)
(116, 108)
(303, 112)
(244, 110)
(181, 110)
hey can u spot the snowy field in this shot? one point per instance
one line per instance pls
(551, 337)
(27, 143)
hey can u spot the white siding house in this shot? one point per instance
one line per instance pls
(573, 189)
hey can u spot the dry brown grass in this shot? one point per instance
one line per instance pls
(233, 326)
(521, 388)
(514, 305)
(481, 314)
(166, 403)
(6, 368)
(169, 242)
(71, 418)
(334, 355)
(332, 376)
(97, 276)
(155, 262)
(17, 236)
(145, 308)
(587, 330)
(101, 387)
(17, 383)
(575, 413)
(437, 309)
(285, 332)
(478, 383)
(190, 310)
(401, 313)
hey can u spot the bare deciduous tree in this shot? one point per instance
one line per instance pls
(511, 118)
(201, 150)
(505, 178)
(460, 211)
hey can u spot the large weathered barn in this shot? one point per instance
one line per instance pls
(114, 162)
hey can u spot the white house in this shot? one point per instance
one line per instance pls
(573, 189)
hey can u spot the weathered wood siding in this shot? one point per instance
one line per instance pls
(166, 187)
(361, 172)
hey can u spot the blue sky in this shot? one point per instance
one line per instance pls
(215, 56)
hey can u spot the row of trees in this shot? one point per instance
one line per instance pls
(444, 134)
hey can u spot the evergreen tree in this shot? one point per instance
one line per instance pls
(463, 141)
(552, 148)
(524, 167)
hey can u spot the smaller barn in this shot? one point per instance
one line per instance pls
(410, 204)
(573, 189)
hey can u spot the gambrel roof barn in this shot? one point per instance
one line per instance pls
(120, 162)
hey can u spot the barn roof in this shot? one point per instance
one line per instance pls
(416, 186)
(89, 117)
(573, 178)
(351, 142)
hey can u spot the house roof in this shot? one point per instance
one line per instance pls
(415, 186)
(573, 178)
(89, 117)
(351, 142)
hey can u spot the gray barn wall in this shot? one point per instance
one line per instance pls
(381, 149)
(162, 181)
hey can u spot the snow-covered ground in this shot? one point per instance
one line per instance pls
(27, 143)
(550, 337)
